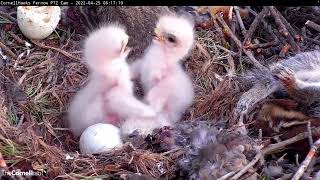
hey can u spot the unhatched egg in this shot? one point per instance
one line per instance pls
(100, 138)
(38, 22)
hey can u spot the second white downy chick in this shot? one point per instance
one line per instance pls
(108, 96)
(168, 88)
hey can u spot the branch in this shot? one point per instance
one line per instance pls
(228, 31)
(262, 45)
(254, 25)
(6, 15)
(218, 28)
(296, 36)
(275, 147)
(283, 30)
(8, 50)
(248, 166)
(242, 27)
(313, 25)
(307, 160)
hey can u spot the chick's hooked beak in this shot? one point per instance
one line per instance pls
(157, 35)
(124, 48)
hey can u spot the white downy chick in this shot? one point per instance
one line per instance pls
(108, 97)
(144, 125)
(168, 88)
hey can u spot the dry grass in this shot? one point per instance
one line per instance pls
(210, 67)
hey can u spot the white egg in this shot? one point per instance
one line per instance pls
(100, 138)
(38, 22)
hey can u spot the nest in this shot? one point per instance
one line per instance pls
(36, 90)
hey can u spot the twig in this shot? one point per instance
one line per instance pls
(281, 158)
(17, 38)
(270, 31)
(4, 58)
(254, 25)
(230, 13)
(8, 50)
(274, 36)
(232, 53)
(283, 30)
(284, 50)
(275, 147)
(6, 15)
(310, 169)
(241, 127)
(313, 25)
(233, 23)
(248, 175)
(242, 27)
(248, 166)
(251, 11)
(232, 68)
(86, 17)
(21, 41)
(279, 36)
(238, 43)
(304, 31)
(311, 40)
(296, 36)
(260, 135)
(56, 49)
(256, 41)
(309, 134)
(218, 28)
(262, 45)
(297, 159)
(265, 24)
(315, 41)
(226, 176)
(202, 50)
(317, 176)
(238, 126)
(307, 160)
(293, 44)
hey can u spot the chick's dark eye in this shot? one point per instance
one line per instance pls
(171, 39)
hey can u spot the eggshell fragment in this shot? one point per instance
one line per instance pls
(38, 22)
